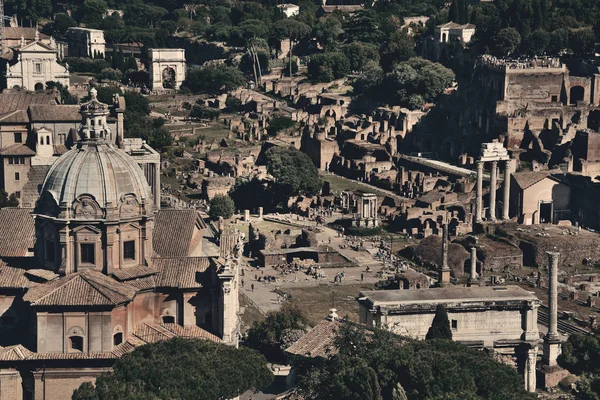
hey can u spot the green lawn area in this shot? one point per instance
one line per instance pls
(216, 131)
(339, 184)
(315, 302)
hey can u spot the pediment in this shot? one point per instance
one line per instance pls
(36, 47)
(87, 229)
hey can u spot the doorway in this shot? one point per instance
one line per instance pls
(546, 212)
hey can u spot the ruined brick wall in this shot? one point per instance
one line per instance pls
(534, 85)
(59, 384)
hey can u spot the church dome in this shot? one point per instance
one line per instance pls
(98, 170)
(95, 179)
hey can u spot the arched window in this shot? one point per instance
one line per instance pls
(76, 344)
(47, 139)
(576, 94)
(118, 338)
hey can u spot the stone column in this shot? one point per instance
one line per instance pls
(530, 371)
(246, 215)
(157, 184)
(479, 191)
(260, 212)
(473, 277)
(506, 198)
(493, 189)
(552, 341)
(445, 271)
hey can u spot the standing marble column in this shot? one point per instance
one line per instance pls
(552, 340)
(479, 199)
(506, 198)
(473, 277)
(493, 189)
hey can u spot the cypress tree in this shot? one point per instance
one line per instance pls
(440, 327)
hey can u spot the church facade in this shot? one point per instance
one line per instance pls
(96, 269)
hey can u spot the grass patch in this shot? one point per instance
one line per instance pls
(339, 184)
(315, 302)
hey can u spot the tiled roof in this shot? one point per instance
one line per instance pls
(181, 272)
(16, 33)
(87, 288)
(142, 334)
(529, 178)
(174, 232)
(43, 274)
(59, 149)
(17, 149)
(14, 117)
(132, 273)
(318, 342)
(54, 113)
(11, 277)
(17, 232)
(13, 101)
(145, 283)
(14, 353)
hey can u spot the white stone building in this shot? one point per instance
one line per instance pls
(85, 42)
(36, 64)
(167, 68)
(451, 31)
(289, 10)
(502, 319)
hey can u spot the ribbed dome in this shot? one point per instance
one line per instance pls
(99, 169)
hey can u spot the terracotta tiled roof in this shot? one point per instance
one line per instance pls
(13, 101)
(145, 283)
(15, 33)
(12, 278)
(43, 274)
(529, 178)
(191, 332)
(59, 149)
(52, 113)
(17, 232)
(14, 117)
(17, 149)
(182, 272)
(174, 232)
(132, 273)
(87, 288)
(318, 342)
(14, 353)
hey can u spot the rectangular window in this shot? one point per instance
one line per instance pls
(49, 250)
(22, 160)
(38, 68)
(10, 160)
(61, 138)
(18, 137)
(129, 250)
(87, 253)
(454, 324)
(17, 176)
(18, 195)
(554, 98)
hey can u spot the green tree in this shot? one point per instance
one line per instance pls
(327, 67)
(277, 331)
(65, 96)
(221, 206)
(62, 22)
(536, 43)
(8, 201)
(180, 369)
(92, 12)
(506, 42)
(293, 171)
(234, 104)
(293, 30)
(440, 327)
(582, 41)
(328, 31)
(278, 123)
(214, 79)
(360, 54)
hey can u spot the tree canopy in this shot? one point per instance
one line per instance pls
(440, 326)
(214, 79)
(379, 365)
(294, 172)
(180, 369)
(221, 206)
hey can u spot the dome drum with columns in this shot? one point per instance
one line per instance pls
(96, 208)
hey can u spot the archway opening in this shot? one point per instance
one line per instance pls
(168, 76)
(168, 319)
(39, 87)
(593, 121)
(576, 94)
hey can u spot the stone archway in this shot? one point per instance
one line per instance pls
(38, 87)
(576, 94)
(593, 121)
(169, 78)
